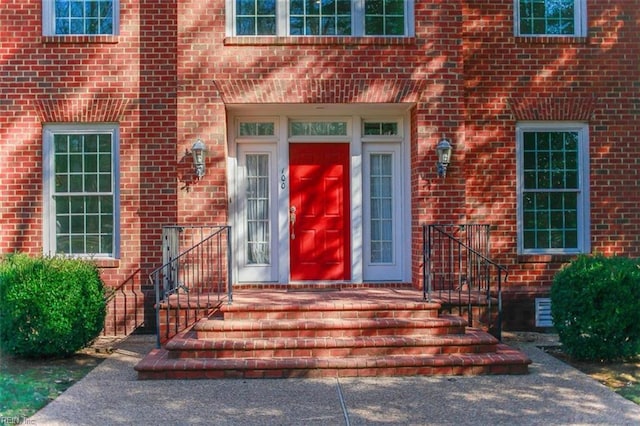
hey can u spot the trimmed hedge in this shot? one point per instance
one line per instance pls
(595, 304)
(49, 306)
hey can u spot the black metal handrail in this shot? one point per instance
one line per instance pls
(197, 275)
(457, 267)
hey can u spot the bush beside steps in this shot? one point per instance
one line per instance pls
(49, 306)
(595, 305)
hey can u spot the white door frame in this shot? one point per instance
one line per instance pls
(278, 143)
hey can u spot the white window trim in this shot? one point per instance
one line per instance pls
(48, 173)
(49, 20)
(580, 21)
(282, 20)
(584, 225)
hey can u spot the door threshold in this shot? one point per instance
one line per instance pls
(314, 286)
(311, 289)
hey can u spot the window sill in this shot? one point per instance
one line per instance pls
(80, 39)
(545, 258)
(314, 40)
(552, 39)
(106, 263)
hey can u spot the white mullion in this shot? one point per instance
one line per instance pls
(357, 18)
(284, 201)
(282, 18)
(357, 230)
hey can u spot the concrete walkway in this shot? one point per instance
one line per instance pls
(552, 394)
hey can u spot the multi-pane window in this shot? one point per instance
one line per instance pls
(321, 17)
(381, 199)
(258, 219)
(82, 196)
(551, 17)
(553, 190)
(384, 17)
(255, 17)
(80, 17)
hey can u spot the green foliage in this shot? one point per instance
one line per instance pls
(595, 304)
(49, 306)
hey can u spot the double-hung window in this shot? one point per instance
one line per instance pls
(553, 188)
(80, 17)
(81, 201)
(320, 18)
(551, 17)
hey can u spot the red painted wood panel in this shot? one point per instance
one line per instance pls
(320, 238)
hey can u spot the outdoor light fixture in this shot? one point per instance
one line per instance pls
(443, 149)
(198, 152)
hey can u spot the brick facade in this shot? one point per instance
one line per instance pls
(592, 79)
(168, 75)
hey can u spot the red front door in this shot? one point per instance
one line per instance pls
(319, 193)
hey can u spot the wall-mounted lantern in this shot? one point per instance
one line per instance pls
(198, 151)
(443, 149)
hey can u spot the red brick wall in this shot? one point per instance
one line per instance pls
(166, 78)
(130, 79)
(426, 69)
(594, 79)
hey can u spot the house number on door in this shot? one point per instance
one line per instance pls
(283, 179)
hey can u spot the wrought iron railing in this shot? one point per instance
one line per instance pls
(196, 270)
(457, 269)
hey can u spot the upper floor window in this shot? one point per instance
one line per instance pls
(320, 17)
(551, 17)
(81, 189)
(553, 188)
(308, 17)
(80, 17)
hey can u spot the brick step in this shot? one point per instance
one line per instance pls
(217, 328)
(158, 365)
(346, 333)
(336, 309)
(188, 346)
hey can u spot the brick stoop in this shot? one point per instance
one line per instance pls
(341, 335)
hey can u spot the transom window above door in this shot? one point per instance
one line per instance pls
(258, 129)
(392, 18)
(318, 128)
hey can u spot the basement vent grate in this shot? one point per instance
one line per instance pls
(543, 312)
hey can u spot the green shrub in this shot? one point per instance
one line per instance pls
(595, 304)
(49, 306)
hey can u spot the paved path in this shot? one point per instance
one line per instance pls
(552, 394)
